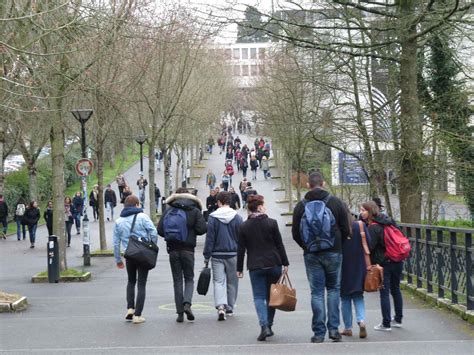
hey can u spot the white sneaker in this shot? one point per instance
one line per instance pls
(382, 328)
(129, 315)
(221, 314)
(396, 324)
(138, 319)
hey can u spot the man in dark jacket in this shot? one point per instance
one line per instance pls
(110, 200)
(157, 197)
(221, 245)
(323, 268)
(4, 216)
(181, 254)
(234, 199)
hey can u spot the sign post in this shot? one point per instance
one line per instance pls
(84, 168)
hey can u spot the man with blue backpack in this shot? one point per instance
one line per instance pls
(320, 222)
(182, 221)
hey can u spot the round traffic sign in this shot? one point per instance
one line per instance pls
(84, 167)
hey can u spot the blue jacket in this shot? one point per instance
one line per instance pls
(143, 228)
(222, 233)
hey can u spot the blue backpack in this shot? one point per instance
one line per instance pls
(175, 225)
(316, 225)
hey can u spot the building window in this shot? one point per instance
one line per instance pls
(236, 70)
(236, 53)
(253, 53)
(245, 70)
(253, 70)
(261, 53)
(245, 53)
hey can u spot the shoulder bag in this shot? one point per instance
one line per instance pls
(283, 295)
(374, 278)
(204, 280)
(141, 250)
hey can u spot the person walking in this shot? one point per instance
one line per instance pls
(210, 180)
(253, 167)
(157, 197)
(121, 183)
(249, 190)
(48, 217)
(110, 200)
(19, 212)
(180, 231)
(352, 279)
(234, 199)
(4, 216)
(221, 246)
(78, 203)
(211, 202)
(142, 183)
(94, 201)
(323, 266)
(68, 218)
(260, 238)
(225, 180)
(265, 167)
(392, 270)
(244, 166)
(30, 219)
(126, 192)
(143, 227)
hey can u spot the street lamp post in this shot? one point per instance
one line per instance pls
(83, 116)
(140, 140)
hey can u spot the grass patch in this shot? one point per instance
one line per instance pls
(65, 273)
(8, 297)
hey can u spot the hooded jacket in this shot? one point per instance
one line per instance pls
(194, 219)
(143, 228)
(377, 244)
(222, 234)
(340, 212)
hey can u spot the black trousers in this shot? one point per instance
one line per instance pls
(134, 270)
(182, 268)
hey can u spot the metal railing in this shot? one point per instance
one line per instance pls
(441, 262)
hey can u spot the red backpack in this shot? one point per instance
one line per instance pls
(397, 246)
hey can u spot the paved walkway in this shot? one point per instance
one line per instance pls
(88, 317)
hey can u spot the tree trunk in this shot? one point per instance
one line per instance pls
(57, 162)
(167, 170)
(431, 182)
(151, 178)
(33, 181)
(2, 160)
(290, 187)
(100, 178)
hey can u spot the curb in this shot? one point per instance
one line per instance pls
(278, 189)
(44, 279)
(444, 303)
(17, 306)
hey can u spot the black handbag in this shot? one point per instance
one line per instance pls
(141, 250)
(204, 281)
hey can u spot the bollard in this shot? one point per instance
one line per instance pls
(53, 259)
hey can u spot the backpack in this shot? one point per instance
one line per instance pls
(230, 170)
(316, 225)
(175, 225)
(20, 209)
(397, 246)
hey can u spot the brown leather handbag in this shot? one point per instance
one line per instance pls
(374, 277)
(283, 295)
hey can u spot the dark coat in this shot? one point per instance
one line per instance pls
(3, 209)
(353, 263)
(93, 200)
(261, 238)
(235, 202)
(340, 212)
(48, 217)
(157, 194)
(211, 204)
(377, 245)
(194, 220)
(31, 216)
(109, 196)
(78, 203)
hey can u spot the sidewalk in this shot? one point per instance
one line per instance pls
(88, 318)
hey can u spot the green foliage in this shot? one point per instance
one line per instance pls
(249, 30)
(456, 223)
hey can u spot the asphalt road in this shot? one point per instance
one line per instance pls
(88, 318)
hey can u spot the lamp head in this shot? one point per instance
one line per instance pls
(141, 138)
(82, 115)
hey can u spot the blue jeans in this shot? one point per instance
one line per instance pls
(4, 221)
(77, 220)
(346, 306)
(32, 232)
(261, 280)
(20, 228)
(141, 196)
(392, 274)
(324, 272)
(110, 210)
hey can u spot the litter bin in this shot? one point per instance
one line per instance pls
(53, 259)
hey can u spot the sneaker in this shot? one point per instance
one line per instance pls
(362, 330)
(180, 318)
(396, 324)
(129, 315)
(229, 312)
(221, 314)
(32, 246)
(138, 319)
(347, 332)
(316, 339)
(382, 328)
(335, 336)
(188, 311)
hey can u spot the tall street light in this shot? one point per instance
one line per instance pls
(83, 115)
(140, 140)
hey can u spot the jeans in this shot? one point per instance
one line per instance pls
(346, 306)
(244, 172)
(5, 224)
(261, 280)
(254, 174)
(141, 196)
(225, 281)
(323, 271)
(265, 174)
(68, 231)
(182, 266)
(225, 186)
(20, 228)
(77, 220)
(32, 232)
(110, 210)
(132, 270)
(392, 274)
(95, 211)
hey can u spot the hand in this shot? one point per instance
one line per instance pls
(240, 274)
(285, 269)
(120, 265)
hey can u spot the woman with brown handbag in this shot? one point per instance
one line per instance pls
(352, 279)
(260, 237)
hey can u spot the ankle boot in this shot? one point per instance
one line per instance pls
(265, 332)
